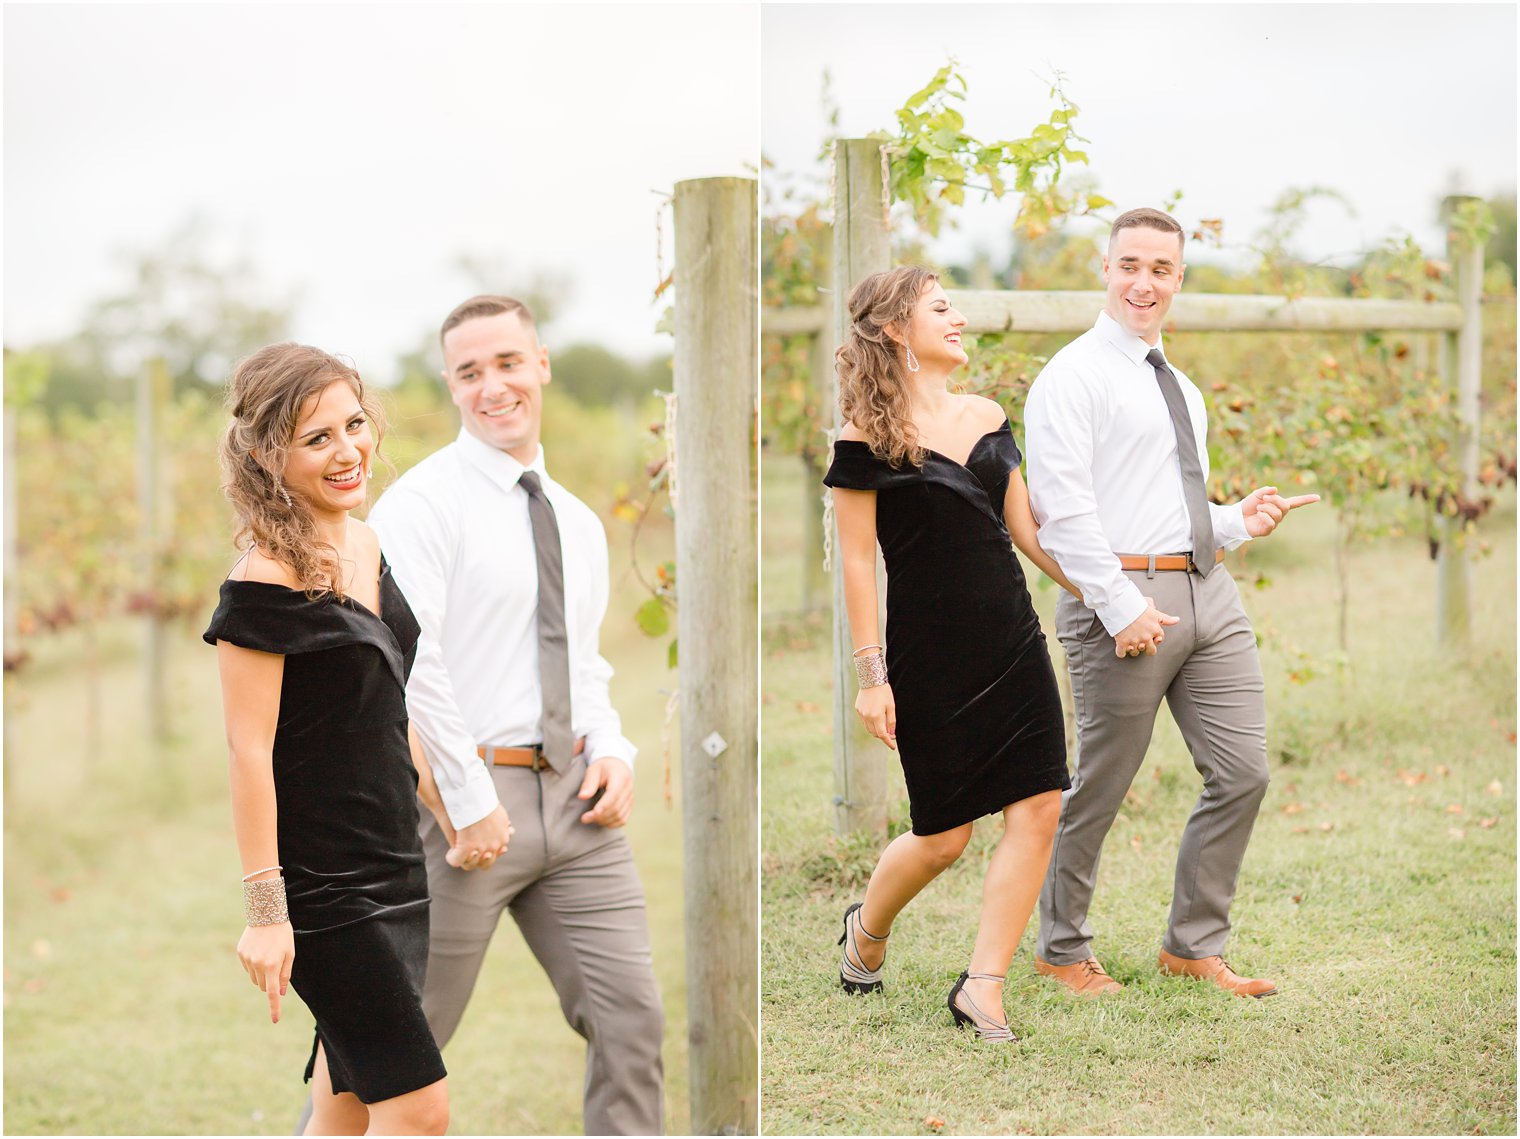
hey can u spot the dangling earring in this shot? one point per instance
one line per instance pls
(912, 359)
(285, 494)
(369, 471)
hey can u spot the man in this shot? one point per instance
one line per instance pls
(507, 573)
(1118, 463)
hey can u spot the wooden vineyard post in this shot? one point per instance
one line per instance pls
(1464, 349)
(716, 378)
(815, 584)
(861, 247)
(152, 391)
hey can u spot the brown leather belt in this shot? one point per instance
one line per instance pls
(521, 756)
(1154, 562)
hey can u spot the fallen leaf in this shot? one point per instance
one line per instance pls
(1344, 776)
(1292, 808)
(1442, 770)
(62, 893)
(1454, 809)
(1134, 842)
(1457, 832)
(1510, 737)
(1327, 826)
(1489, 823)
(1297, 898)
(1495, 788)
(806, 707)
(42, 948)
(934, 1123)
(1410, 778)
(1300, 830)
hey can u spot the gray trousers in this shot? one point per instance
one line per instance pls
(1208, 671)
(574, 893)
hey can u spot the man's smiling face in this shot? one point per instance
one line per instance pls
(496, 371)
(1142, 272)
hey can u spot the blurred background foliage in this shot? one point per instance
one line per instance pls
(1367, 420)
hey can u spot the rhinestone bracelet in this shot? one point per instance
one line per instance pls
(871, 670)
(264, 902)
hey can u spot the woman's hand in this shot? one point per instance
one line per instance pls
(879, 711)
(267, 953)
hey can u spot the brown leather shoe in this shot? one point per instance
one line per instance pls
(1085, 978)
(1217, 970)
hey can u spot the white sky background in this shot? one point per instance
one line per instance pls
(355, 151)
(1232, 104)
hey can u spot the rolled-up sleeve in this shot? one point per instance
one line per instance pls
(1060, 426)
(419, 541)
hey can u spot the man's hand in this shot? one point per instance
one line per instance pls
(1264, 509)
(615, 779)
(479, 845)
(1144, 633)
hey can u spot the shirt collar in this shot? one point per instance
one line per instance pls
(498, 466)
(1131, 345)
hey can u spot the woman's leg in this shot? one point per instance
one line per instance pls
(1014, 876)
(910, 862)
(333, 1113)
(422, 1112)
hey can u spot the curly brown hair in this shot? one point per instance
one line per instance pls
(265, 397)
(873, 391)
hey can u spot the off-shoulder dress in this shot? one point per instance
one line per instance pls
(979, 723)
(346, 795)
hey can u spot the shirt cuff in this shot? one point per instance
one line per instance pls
(1230, 526)
(600, 745)
(1117, 615)
(475, 800)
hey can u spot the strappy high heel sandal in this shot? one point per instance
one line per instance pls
(853, 974)
(987, 1028)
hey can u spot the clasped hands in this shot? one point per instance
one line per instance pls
(1145, 633)
(479, 845)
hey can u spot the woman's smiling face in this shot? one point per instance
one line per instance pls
(935, 332)
(327, 463)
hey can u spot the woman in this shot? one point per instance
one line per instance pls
(965, 692)
(314, 641)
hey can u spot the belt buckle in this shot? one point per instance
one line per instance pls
(1192, 566)
(539, 762)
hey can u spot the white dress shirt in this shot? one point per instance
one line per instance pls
(1104, 478)
(456, 532)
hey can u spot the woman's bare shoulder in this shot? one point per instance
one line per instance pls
(364, 535)
(985, 412)
(255, 565)
(850, 431)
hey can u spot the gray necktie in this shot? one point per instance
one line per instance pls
(1193, 492)
(553, 640)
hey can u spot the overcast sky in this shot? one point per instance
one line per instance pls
(1232, 104)
(355, 151)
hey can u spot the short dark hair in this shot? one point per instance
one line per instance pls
(1147, 218)
(484, 305)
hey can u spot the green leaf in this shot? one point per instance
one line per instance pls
(652, 618)
(671, 656)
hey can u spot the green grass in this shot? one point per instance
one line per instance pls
(126, 1011)
(1379, 892)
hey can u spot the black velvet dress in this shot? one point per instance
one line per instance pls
(346, 791)
(979, 721)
